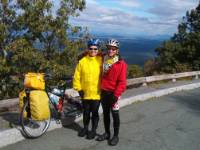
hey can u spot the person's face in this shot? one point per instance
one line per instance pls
(112, 51)
(93, 51)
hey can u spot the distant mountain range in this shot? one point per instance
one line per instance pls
(118, 36)
(136, 50)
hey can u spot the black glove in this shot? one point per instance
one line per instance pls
(81, 94)
(114, 99)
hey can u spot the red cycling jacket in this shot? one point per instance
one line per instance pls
(115, 78)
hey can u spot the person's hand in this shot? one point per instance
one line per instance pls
(81, 94)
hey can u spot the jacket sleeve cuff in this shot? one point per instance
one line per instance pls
(77, 89)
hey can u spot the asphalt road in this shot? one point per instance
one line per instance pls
(170, 122)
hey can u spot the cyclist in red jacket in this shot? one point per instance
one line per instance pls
(113, 83)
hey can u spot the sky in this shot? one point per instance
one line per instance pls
(134, 17)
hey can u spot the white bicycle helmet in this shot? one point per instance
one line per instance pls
(113, 42)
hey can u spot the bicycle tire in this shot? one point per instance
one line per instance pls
(32, 128)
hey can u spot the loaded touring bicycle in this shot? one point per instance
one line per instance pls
(40, 104)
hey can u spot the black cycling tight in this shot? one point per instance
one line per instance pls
(91, 106)
(107, 108)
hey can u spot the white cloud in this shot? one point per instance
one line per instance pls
(167, 14)
(172, 8)
(92, 2)
(130, 3)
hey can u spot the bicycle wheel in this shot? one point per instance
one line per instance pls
(32, 128)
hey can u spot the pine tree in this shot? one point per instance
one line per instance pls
(182, 51)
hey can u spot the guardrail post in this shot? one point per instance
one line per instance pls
(196, 76)
(174, 80)
(144, 84)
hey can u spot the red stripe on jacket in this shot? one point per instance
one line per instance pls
(115, 79)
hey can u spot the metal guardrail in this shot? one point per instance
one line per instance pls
(173, 77)
(5, 104)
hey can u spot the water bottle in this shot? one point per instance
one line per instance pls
(54, 98)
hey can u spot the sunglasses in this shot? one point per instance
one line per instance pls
(93, 49)
(111, 48)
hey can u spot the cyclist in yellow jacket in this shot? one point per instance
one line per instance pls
(87, 82)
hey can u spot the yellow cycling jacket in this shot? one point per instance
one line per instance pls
(87, 77)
